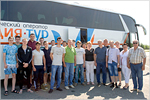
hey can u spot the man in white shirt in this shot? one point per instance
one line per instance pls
(57, 56)
(80, 61)
(37, 63)
(112, 62)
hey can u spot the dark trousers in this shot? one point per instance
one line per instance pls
(39, 71)
(21, 73)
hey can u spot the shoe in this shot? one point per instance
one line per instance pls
(50, 91)
(79, 80)
(104, 84)
(36, 90)
(75, 84)
(116, 85)
(139, 90)
(29, 90)
(59, 89)
(20, 92)
(125, 88)
(6, 93)
(30, 85)
(98, 84)
(119, 84)
(71, 86)
(112, 85)
(88, 83)
(66, 87)
(92, 83)
(83, 84)
(134, 90)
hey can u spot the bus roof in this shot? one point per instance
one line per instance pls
(84, 6)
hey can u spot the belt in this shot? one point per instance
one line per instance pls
(135, 63)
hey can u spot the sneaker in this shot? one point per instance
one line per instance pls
(71, 86)
(36, 90)
(98, 84)
(134, 90)
(83, 84)
(112, 85)
(88, 83)
(59, 89)
(139, 90)
(50, 91)
(66, 87)
(75, 84)
(104, 84)
(92, 83)
(116, 85)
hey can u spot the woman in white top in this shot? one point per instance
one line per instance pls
(123, 63)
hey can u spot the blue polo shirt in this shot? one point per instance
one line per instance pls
(101, 54)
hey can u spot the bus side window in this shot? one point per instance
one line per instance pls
(41, 17)
(19, 16)
(2, 14)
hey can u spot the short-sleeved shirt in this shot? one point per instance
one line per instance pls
(38, 57)
(79, 55)
(89, 54)
(69, 55)
(112, 54)
(10, 53)
(57, 55)
(100, 54)
(123, 57)
(137, 55)
(18, 46)
(32, 44)
(47, 56)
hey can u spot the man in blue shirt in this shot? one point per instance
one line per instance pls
(10, 64)
(99, 61)
(47, 51)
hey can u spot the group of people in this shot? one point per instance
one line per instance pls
(66, 62)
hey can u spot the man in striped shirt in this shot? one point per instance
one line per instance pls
(136, 61)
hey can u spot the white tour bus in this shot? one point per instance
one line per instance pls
(50, 19)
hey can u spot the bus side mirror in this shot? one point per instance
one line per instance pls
(144, 30)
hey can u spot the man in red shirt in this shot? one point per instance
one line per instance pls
(32, 42)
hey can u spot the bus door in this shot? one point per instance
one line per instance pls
(83, 34)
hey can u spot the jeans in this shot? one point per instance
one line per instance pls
(58, 69)
(136, 71)
(69, 73)
(81, 72)
(113, 69)
(39, 70)
(98, 68)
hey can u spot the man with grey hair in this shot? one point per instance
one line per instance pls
(99, 61)
(112, 62)
(134, 61)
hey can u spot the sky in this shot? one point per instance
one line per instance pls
(139, 10)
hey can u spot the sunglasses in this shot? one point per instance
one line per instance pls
(135, 43)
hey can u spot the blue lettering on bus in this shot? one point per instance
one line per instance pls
(43, 34)
(56, 35)
(37, 35)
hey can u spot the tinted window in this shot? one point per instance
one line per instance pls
(61, 14)
(130, 23)
(4, 10)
